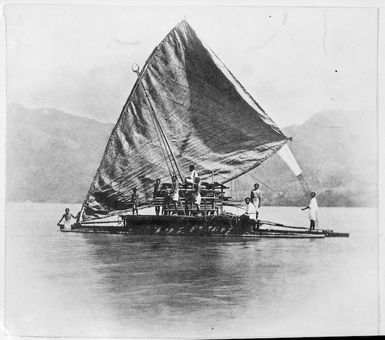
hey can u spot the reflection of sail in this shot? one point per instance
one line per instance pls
(208, 117)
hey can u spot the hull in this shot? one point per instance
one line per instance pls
(212, 226)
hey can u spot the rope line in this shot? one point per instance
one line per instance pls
(157, 126)
(161, 147)
(269, 187)
(165, 140)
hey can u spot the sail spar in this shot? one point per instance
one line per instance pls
(208, 117)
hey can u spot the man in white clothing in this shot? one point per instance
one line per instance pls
(313, 210)
(256, 197)
(193, 176)
(249, 218)
(250, 210)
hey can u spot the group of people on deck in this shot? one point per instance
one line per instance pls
(253, 203)
(173, 197)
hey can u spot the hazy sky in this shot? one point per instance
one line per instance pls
(294, 61)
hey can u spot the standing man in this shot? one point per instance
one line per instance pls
(197, 194)
(134, 201)
(193, 175)
(256, 198)
(313, 210)
(156, 194)
(175, 193)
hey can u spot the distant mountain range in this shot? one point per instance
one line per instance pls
(337, 151)
(52, 156)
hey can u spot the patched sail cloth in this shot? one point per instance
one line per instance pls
(207, 116)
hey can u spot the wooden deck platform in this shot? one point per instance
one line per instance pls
(210, 226)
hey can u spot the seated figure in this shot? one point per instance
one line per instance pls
(249, 218)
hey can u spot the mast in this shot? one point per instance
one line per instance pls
(158, 126)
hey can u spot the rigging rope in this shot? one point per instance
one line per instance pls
(257, 164)
(158, 130)
(165, 140)
(162, 148)
(236, 191)
(276, 192)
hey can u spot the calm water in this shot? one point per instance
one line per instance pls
(112, 285)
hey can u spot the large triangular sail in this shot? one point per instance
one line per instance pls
(208, 117)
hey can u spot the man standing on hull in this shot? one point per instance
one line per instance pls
(256, 198)
(313, 210)
(156, 194)
(134, 201)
